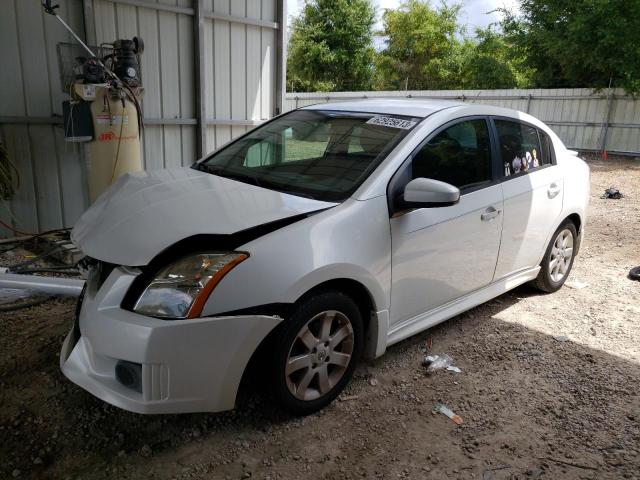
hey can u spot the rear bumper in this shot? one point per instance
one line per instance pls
(186, 365)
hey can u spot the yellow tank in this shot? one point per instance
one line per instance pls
(115, 148)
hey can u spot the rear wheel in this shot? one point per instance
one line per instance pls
(317, 352)
(558, 259)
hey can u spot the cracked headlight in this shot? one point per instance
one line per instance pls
(181, 289)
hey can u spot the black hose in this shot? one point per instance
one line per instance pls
(19, 305)
(63, 270)
(31, 236)
(18, 242)
(5, 250)
(33, 260)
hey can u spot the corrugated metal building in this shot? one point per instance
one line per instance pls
(211, 69)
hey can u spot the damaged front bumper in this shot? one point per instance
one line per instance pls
(183, 365)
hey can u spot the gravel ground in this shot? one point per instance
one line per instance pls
(548, 389)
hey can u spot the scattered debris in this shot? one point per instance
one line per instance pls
(145, 451)
(612, 193)
(561, 338)
(576, 284)
(373, 381)
(347, 398)
(488, 472)
(570, 464)
(437, 362)
(446, 411)
(488, 475)
(534, 473)
(634, 273)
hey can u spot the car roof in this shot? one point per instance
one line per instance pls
(401, 106)
(423, 108)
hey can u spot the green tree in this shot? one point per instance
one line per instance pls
(581, 43)
(422, 50)
(331, 46)
(489, 62)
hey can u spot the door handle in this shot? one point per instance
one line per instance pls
(553, 190)
(489, 214)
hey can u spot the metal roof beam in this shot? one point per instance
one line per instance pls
(205, 13)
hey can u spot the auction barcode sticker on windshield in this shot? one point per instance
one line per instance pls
(391, 122)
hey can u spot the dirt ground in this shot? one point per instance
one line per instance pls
(534, 404)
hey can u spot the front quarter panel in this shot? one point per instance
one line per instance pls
(349, 241)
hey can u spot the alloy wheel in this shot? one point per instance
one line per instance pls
(319, 355)
(561, 255)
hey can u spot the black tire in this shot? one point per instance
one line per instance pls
(634, 273)
(287, 340)
(544, 281)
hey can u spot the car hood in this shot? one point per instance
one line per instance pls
(143, 213)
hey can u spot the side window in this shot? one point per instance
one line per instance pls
(546, 155)
(521, 147)
(459, 155)
(259, 154)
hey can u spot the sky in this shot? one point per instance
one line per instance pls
(474, 12)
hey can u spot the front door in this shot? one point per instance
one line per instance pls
(441, 254)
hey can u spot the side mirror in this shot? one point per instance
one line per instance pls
(426, 192)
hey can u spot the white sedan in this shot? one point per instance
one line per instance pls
(328, 233)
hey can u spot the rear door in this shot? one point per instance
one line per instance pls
(533, 190)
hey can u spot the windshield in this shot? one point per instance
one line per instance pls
(323, 155)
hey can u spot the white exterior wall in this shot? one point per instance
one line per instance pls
(579, 116)
(242, 64)
(52, 189)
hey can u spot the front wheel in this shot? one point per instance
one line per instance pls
(317, 352)
(558, 259)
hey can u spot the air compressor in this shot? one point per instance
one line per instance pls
(104, 109)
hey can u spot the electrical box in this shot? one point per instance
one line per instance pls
(78, 123)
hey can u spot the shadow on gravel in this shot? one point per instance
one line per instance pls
(527, 400)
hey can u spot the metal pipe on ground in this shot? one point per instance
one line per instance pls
(48, 285)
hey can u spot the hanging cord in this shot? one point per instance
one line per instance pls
(31, 236)
(115, 164)
(27, 234)
(106, 105)
(136, 103)
(5, 204)
(14, 230)
(9, 174)
(70, 119)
